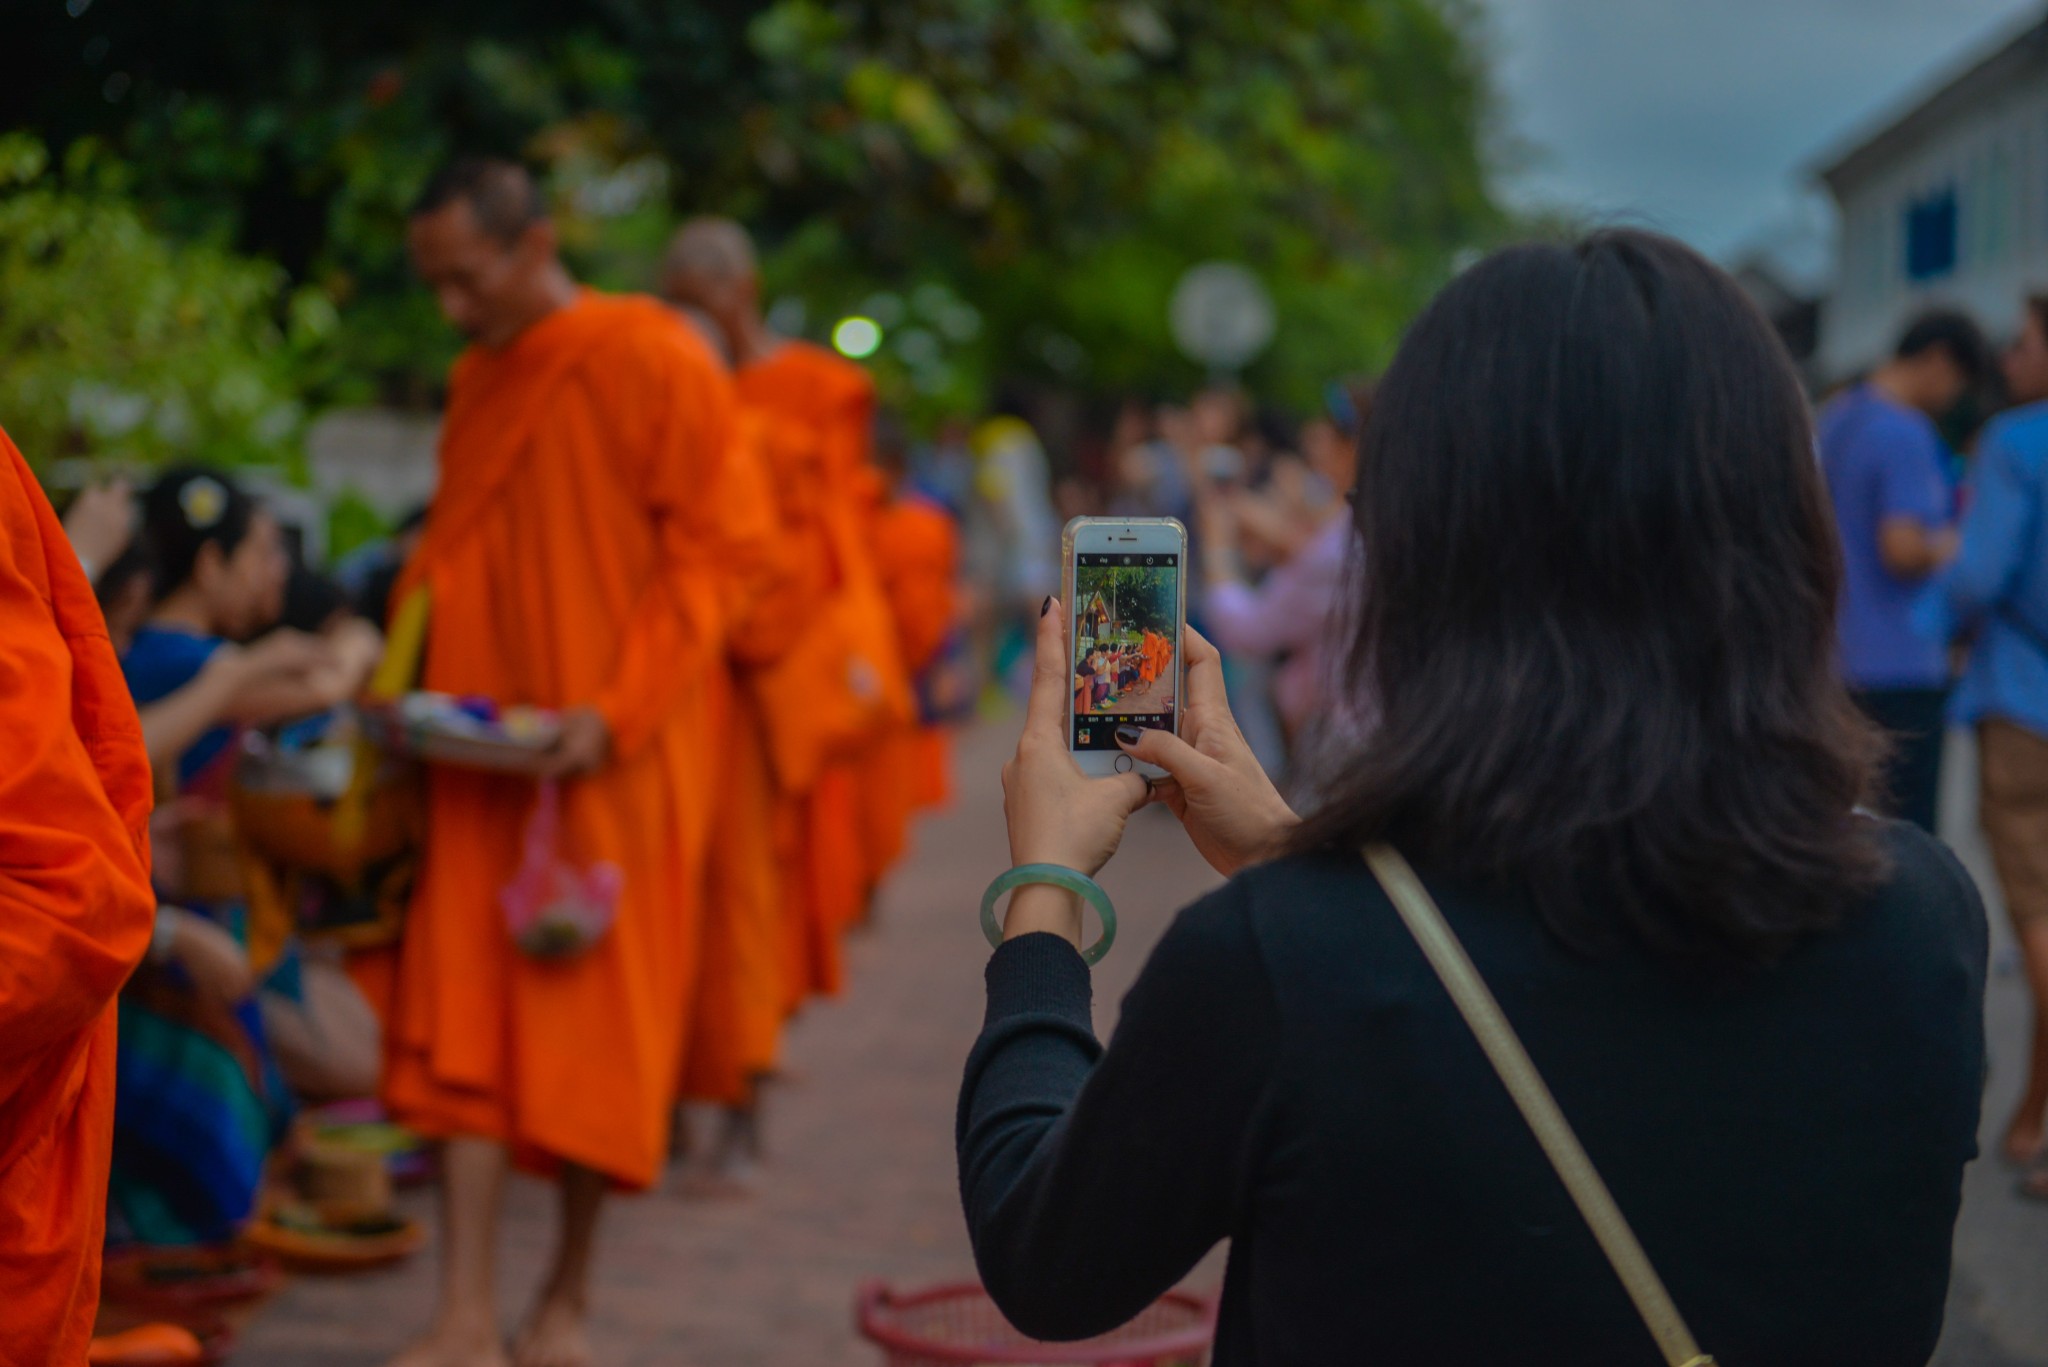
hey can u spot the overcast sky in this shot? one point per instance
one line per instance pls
(1697, 116)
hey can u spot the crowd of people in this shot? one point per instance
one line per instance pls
(750, 606)
(695, 545)
(1944, 612)
(1110, 671)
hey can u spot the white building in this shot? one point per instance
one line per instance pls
(1946, 204)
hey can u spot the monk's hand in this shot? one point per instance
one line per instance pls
(1214, 783)
(583, 747)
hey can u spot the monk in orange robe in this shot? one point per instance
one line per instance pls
(76, 912)
(824, 406)
(735, 1034)
(572, 560)
(833, 398)
(917, 551)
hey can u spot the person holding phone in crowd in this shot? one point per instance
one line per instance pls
(1616, 751)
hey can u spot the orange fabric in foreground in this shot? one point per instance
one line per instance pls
(75, 916)
(574, 556)
(917, 554)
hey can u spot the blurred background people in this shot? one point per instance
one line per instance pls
(203, 1088)
(1287, 619)
(1884, 460)
(1997, 589)
(1014, 483)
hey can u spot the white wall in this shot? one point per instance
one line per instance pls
(1997, 160)
(384, 456)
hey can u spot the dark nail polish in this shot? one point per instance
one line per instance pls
(1046, 606)
(1129, 735)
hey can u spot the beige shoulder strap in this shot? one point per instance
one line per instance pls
(1504, 1049)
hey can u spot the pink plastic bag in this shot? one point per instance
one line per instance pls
(553, 909)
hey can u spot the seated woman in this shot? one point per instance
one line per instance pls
(1096, 671)
(1615, 748)
(1126, 669)
(199, 1097)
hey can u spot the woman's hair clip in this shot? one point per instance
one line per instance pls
(203, 501)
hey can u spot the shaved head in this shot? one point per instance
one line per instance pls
(709, 267)
(715, 250)
(481, 240)
(500, 193)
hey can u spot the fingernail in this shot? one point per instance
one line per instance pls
(1046, 606)
(1129, 735)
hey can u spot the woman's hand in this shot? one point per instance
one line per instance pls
(1056, 813)
(100, 523)
(283, 653)
(1230, 809)
(211, 958)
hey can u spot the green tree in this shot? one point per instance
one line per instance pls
(1138, 599)
(121, 344)
(1011, 188)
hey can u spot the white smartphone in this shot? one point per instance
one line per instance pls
(1126, 597)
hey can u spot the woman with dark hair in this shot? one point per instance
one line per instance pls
(200, 1090)
(1598, 636)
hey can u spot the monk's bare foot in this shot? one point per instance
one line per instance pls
(555, 1337)
(457, 1341)
(679, 1134)
(2025, 1140)
(732, 1167)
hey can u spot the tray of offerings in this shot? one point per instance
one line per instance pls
(308, 1236)
(469, 733)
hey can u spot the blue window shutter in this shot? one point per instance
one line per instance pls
(1931, 235)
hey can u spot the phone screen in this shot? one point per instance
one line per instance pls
(1126, 636)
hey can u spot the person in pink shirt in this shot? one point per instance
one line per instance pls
(1285, 616)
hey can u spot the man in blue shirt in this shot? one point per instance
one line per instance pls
(1884, 463)
(1999, 585)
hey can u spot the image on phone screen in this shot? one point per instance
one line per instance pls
(1125, 636)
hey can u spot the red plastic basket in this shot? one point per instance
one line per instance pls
(954, 1324)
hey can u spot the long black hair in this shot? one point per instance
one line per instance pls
(1597, 611)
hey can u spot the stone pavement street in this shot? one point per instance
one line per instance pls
(861, 1177)
(1998, 1300)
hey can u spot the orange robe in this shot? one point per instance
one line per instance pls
(75, 916)
(826, 406)
(743, 971)
(917, 550)
(573, 557)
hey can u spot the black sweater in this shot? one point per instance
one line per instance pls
(1288, 1073)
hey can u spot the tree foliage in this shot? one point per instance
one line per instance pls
(118, 343)
(1138, 599)
(1016, 184)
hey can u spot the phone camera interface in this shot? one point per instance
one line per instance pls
(1125, 640)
